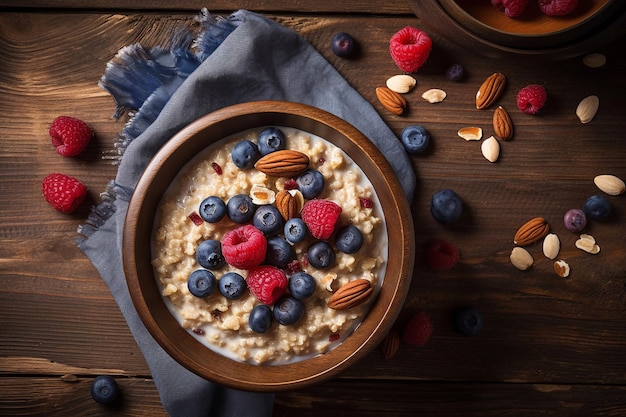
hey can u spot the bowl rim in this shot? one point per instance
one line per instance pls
(138, 226)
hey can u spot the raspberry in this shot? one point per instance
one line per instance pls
(531, 98)
(409, 48)
(441, 255)
(557, 7)
(320, 216)
(70, 136)
(267, 283)
(244, 247)
(511, 8)
(418, 330)
(63, 192)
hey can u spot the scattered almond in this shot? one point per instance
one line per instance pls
(561, 268)
(588, 244)
(262, 195)
(490, 149)
(391, 100)
(551, 246)
(531, 231)
(502, 124)
(289, 203)
(434, 95)
(490, 90)
(610, 184)
(351, 294)
(401, 83)
(521, 258)
(594, 60)
(390, 344)
(283, 163)
(470, 133)
(587, 108)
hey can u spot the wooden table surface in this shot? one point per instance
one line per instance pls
(549, 346)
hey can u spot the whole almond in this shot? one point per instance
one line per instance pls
(521, 258)
(490, 149)
(502, 124)
(402, 83)
(531, 231)
(391, 100)
(470, 133)
(587, 108)
(351, 294)
(490, 90)
(390, 344)
(283, 163)
(288, 203)
(551, 246)
(610, 184)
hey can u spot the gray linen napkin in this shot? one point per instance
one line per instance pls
(254, 58)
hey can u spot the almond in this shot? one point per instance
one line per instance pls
(283, 163)
(470, 133)
(551, 246)
(531, 231)
(490, 149)
(390, 344)
(502, 124)
(391, 100)
(561, 268)
(262, 195)
(288, 203)
(588, 244)
(434, 95)
(521, 258)
(610, 184)
(351, 294)
(587, 108)
(402, 83)
(490, 90)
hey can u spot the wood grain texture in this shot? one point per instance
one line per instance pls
(549, 346)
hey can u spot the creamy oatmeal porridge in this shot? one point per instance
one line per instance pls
(222, 323)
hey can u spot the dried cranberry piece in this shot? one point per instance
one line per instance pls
(217, 168)
(290, 184)
(196, 219)
(366, 202)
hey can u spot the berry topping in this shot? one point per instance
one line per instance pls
(311, 183)
(217, 168)
(320, 255)
(511, 8)
(195, 218)
(366, 202)
(302, 285)
(232, 285)
(260, 319)
(290, 184)
(597, 207)
(575, 220)
(531, 98)
(295, 230)
(279, 252)
(415, 139)
(271, 139)
(455, 72)
(209, 254)
(409, 48)
(446, 206)
(245, 154)
(70, 136)
(244, 247)
(268, 220)
(288, 310)
(343, 45)
(63, 192)
(212, 209)
(468, 321)
(240, 208)
(441, 255)
(104, 390)
(557, 7)
(418, 329)
(267, 283)
(201, 283)
(349, 239)
(320, 217)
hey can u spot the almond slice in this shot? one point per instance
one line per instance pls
(470, 133)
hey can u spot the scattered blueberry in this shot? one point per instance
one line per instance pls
(279, 252)
(268, 220)
(240, 208)
(232, 285)
(212, 209)
(260, 319)
(415, 139)
(104, 390)
(245, 154)
(311, 183)
(597, 207)
(271, 139)
(349, 239)
(302, 285)
(209, 254)
(575, 220)
(295, 230)
(342, 45)
(455, 72)
(468, 321)
(446, 206)
(201, 283)
(321, 255)
(288, 310)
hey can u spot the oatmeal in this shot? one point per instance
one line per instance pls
(222, 320)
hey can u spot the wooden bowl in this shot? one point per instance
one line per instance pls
(138, 229)
(481, 27)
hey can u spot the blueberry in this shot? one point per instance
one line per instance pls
(268, 220)
(295, 230)
(245, 154)
(311, 183)
(260, 319)
(104, 390)
(446, 206)
(302, 285)
(201, 283)
(209, 254)
(455, 72)
(575, 220)
(232, 285)
(349, 239)
(342, 45)
(212, 209)
(597, 207)
(279, 252)
(321, 255)
(240, 208)
(271, 139)
(415, 139)
(468, 321)
(288, 310)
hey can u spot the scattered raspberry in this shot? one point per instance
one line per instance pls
(333, 337)
(63, 192)
(409, 48)
(294, 266)
(290, 184)
(267, 283)
(195, 218)
(531, 98)
(511, 8)
(441, 255)
(557, 7)
(320, 216)
(366, 202)
(217, 168)
(244, 247)
(70, 136)
(418, 330)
